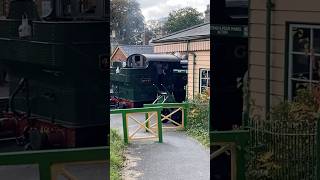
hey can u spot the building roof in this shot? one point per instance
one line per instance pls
(134, 49)
(200, 31)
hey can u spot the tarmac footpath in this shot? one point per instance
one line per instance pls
(179, 157)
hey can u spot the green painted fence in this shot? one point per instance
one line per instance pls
(183, 106)
(125, 112)
(46, 158)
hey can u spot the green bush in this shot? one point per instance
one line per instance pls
(117, 148)
(198, 119)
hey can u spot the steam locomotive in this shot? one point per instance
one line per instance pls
(58, 82)
(149, 78)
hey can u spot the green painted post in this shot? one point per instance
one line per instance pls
(45, 170)
(125, 127)
(241, 161)
(185, 115)
(147, 122)
(159, 126)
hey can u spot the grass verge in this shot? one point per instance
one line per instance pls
(117, 158)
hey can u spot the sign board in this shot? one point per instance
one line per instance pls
(229, 30)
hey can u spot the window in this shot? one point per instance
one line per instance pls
(204, 80)
(304, 58)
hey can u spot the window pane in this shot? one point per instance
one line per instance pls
(204, 82)
(300, 66)
(316, 40)
(300, 39)
(204, 74)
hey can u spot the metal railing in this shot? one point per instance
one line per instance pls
(275, 149)
(290, 147)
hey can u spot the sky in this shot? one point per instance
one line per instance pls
(155, 9)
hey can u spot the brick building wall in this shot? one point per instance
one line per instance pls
(118, 56)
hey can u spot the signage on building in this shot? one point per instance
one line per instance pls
(229, 30)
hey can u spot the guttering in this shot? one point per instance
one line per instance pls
(269, 7)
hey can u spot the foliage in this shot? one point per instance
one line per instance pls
(288, 137)
(182, 19)
(264, 167)
(116, 155)
(127, 21)
(156, 27)
(198, 119)
(303, 108)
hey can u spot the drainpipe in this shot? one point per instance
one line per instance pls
(193, 66)
(269, 7)
(193, 70)
(188, 44)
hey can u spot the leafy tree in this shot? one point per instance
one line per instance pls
(182, 19)
(127, 21)
(156, 27)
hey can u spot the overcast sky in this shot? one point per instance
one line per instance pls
(155, 9)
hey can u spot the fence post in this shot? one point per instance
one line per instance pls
(125, 127)
(159, 125)
(185, 115)
(45, 170)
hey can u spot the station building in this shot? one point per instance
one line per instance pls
(292, 46)
(193, 43)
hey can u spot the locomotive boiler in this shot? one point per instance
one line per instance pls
(58, 82)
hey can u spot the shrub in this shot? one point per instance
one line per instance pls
(198, 119)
